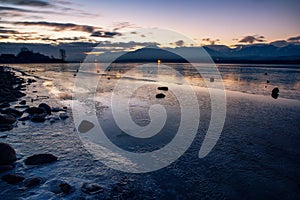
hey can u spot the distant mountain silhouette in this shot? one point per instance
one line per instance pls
(27, 56)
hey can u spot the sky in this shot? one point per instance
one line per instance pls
(220, 22)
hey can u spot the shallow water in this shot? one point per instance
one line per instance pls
(255, 157)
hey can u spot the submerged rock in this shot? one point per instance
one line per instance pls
(63, 116)
(7, 154)
(34, 181)
(160, 96)
(85, 126)
(91, 188)
(164, 88)
(12, 111)
(23, 102)
(39, 159)
(60, 187)
(12, 178)
(46, 107)
(38, 117)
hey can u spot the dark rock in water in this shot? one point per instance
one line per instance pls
(7, 119)
(266, 73)
(39, 159)
(3, 136)
(4, 105)
(31, 182)
(85, 126)
(38, 117)
(25, 117)
(30, 80)
(23, 106)
(23, 102)
(60, 187)
(35, 110)
(63, 116)
(56, 109)
(12, 178)
(268, 81)
(12, 111)
(4, 168)
(160, 96)
(212, 80)
(275, 92)
(163, 88)
(91, 188)
(7, 154)
(65, 107)
(6, 127)
(46, 107)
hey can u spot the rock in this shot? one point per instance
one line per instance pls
(63, 116)
(6, 127)
(163, 88)
(3, 136)
(12, 111)
(30, 80)
(7, 154)
(65, 107)
(268, 81)
(60, 187)
(38, 117)
(25, 117)
(23, 102)
(266, 73)
(160, 96)
(275, 92)
(31, 182)
(4, 105)
(12, 178)
(85, 126)
(212, 80)
(4, 168)
(39, 159)
(35, 110)
(22, 106)
(46, 107)
(56, 109)
(7, 119)
(91, 188)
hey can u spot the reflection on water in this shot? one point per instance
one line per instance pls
(254, 79)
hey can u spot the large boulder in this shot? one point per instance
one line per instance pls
(35, 110)
(7, 154)
(46, 107)
(7, 119)
(39, 159)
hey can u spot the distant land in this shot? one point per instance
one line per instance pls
(76, 52)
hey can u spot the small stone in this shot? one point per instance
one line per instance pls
(7, 154)
(60, 187)
(39, 159)
(23, 102)
(65, 188)
(12, 178)
(160, 96)
(91, 188)
(163, 88)
(275, 92)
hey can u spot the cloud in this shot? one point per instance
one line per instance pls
(252, 38)
(179, 43)
(105, 34)
(211, 41)
(36, 3)
(59, 26)
(294, 39)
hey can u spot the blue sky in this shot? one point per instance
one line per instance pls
(215, 21)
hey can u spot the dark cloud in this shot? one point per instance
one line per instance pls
(36, 3)
(5, 8)
(179, 43)
(252, 38)
(294, 39)
(105, 34)
(59, 26)
(122, 25)
(210, 41)
(4, 31)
